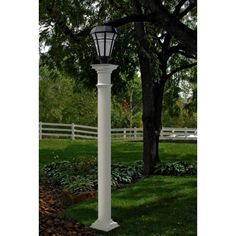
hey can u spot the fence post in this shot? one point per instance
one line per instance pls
(124, 136)
(161, 133)
(73, 131)
(135, 133)
(40, 130)
(173, 134)
(186, 132)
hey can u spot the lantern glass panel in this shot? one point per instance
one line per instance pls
(108, 47)
(109, 36)
(113, 42)
(101, 47)
(109, 40)
(95, 40)
(100, 36)
(100, 42)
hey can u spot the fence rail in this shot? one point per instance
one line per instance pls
(75, 131)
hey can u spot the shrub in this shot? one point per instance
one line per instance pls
(81, 176)
(122, 174)
(77, 184)
(175, 169)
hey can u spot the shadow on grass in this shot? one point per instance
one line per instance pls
(156, 206)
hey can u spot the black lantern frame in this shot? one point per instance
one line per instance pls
(104, 37)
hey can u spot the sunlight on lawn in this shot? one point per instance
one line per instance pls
(154, 205)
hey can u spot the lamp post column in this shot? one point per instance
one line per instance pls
(104, 221)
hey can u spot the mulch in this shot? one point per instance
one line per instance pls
(52, 201)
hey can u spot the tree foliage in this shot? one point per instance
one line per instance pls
(127, 104)
(60, 101)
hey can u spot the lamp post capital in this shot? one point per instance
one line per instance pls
(104, 68)
(104, 73)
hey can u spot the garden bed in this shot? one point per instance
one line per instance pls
(52, 201)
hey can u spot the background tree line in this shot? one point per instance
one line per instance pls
(61, 100)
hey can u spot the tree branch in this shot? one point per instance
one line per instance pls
(178, 7)
(180, 31)
(185, 11)
(186, 54)
(78, 36)
(129, 19)
(169, 22)
(174, 49)
(179, 49)
(178, 69)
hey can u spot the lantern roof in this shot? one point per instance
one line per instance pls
(103, 28)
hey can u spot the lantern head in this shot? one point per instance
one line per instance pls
(104, 37)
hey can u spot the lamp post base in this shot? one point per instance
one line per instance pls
(104, 225)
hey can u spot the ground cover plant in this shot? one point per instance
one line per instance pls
(81, 176)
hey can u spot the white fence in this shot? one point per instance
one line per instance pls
(75, 131)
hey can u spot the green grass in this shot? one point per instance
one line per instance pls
(123, 152)
(163, 206)
(158, 205)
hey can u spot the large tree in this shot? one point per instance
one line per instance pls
(152, 29)
(157, 45)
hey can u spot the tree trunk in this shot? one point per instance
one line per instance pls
(131, 108)
(149, 138)
(158, 100)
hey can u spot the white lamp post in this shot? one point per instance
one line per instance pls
(104, 38)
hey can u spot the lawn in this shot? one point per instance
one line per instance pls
(123, 152)
(163, 206)
(158, 205)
